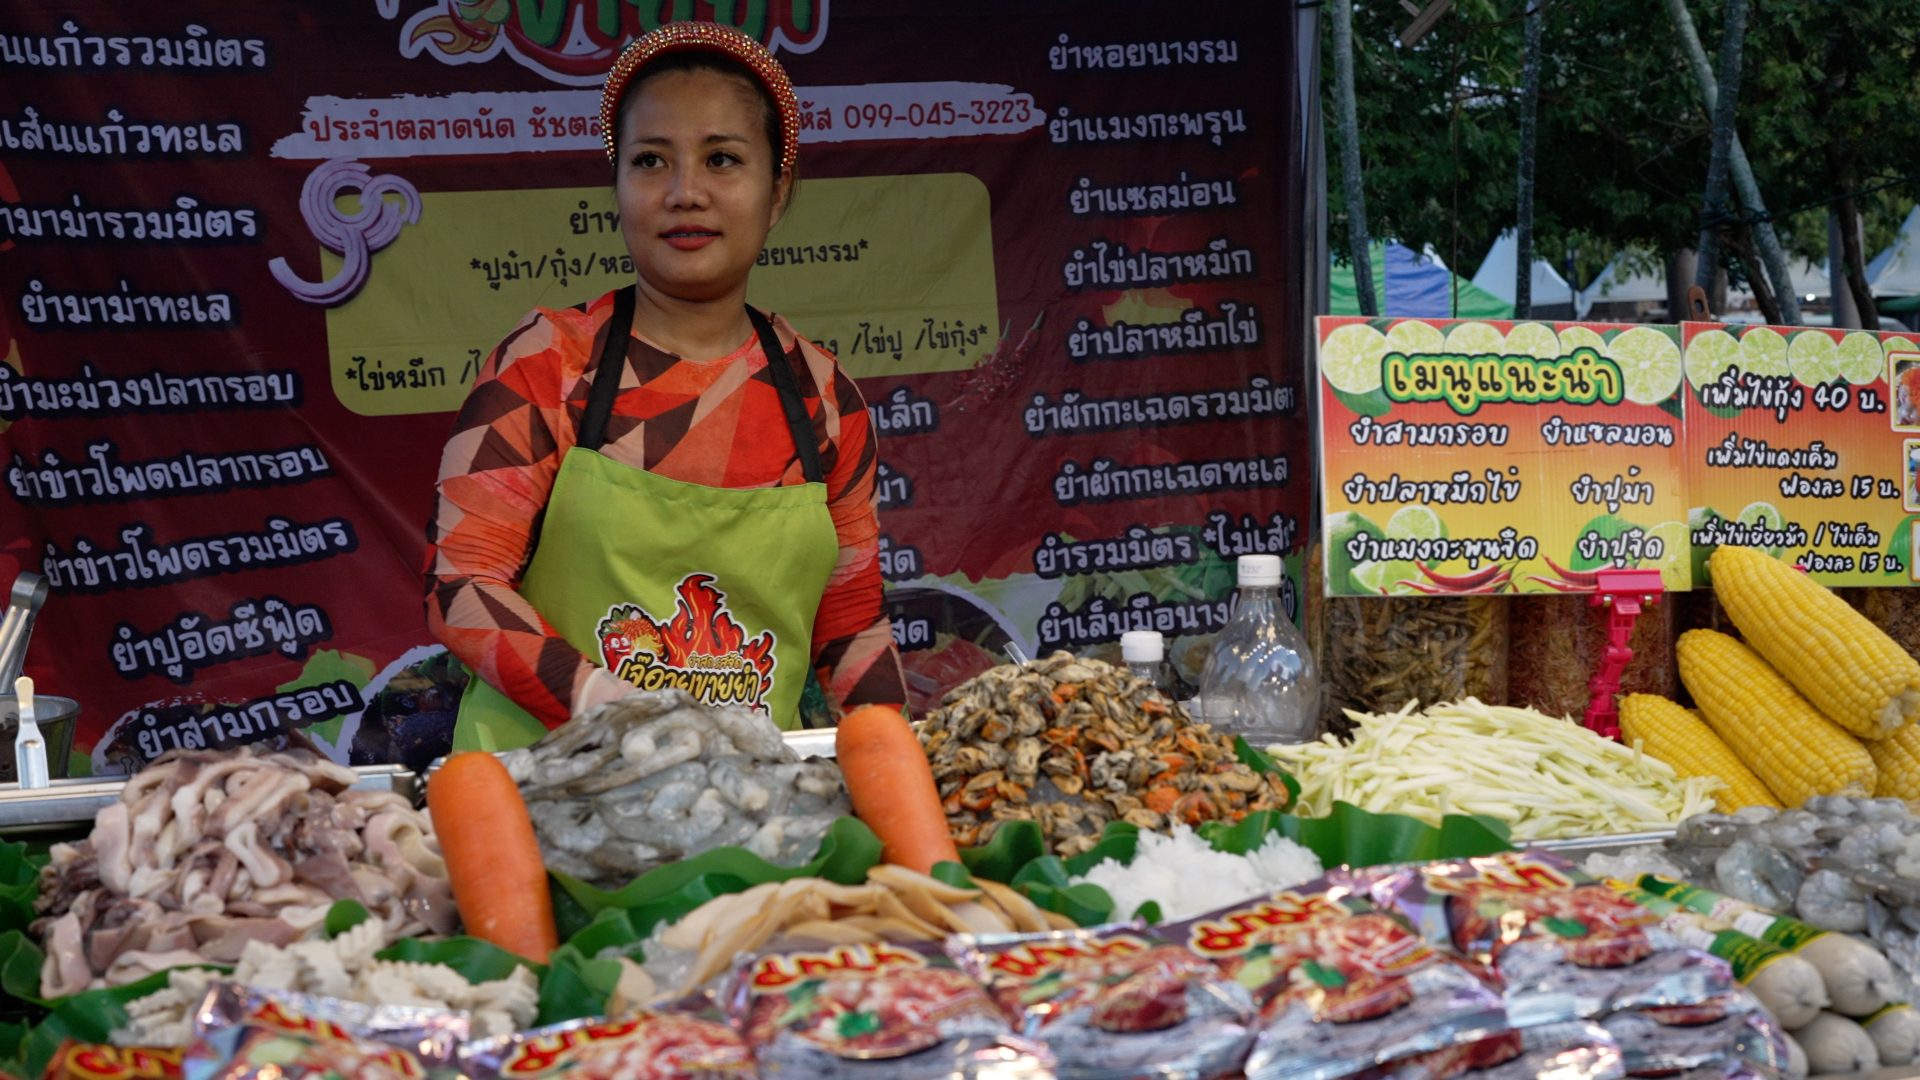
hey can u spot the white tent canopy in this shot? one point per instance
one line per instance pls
(1810, 280)
(1496, 274)
(1896, 271)
(1619, 285)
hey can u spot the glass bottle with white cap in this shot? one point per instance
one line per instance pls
(1260, 680)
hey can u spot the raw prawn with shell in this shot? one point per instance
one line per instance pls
(1074, 744)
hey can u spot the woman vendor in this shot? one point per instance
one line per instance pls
(664, 487)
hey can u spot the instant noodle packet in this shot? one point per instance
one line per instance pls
(1736, 1032)
(1569, 1050)
(240, 1031)
(1559, 943)
(1114, 1002)
(903, 1012)
(1342, 985)
(248, 1052)
(680, 1042)
(98, 1061)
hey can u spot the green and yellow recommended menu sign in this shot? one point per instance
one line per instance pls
(1497, 457)
(1804, 441)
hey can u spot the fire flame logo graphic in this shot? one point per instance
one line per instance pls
(701, 649)
(574, 42)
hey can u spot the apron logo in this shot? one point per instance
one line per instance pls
(701, 650)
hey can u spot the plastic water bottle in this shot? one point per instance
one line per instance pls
(1260, 681)
(1145, 653)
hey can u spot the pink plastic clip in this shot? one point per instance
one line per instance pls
(1624, 593)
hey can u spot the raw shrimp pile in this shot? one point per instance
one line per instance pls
(656, 777)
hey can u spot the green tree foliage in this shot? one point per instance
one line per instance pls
(1623, 138)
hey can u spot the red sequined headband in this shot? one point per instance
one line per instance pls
(708, 37)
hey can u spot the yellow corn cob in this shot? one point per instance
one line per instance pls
(1794, 750)
(1850, 670)
(1683, 740)
(1897, 759)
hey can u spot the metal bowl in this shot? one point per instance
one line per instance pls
(57, 717)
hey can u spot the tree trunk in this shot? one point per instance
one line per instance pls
(1839, 291)
(1849, 214)
(1680, 270)
(1715, 209)
(1842, 176)
(1346, 114)
(1743, 181)
(1523, 214)
(1742, 244)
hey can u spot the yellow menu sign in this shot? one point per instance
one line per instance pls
(893, 274)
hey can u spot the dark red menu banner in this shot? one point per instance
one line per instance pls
(254, 254)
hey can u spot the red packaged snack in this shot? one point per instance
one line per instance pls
(1343, 986)
(684, 1043)
(1114, 1002)
(408, 1040)
(1570, 1050)
(94, 1061)
(1559, 943)
(250, 1052)
(1733, 1033)
(903, 1012)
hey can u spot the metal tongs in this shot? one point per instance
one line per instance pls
(16, 627)
(29, 748)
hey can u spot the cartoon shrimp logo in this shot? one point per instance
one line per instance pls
(702, 649)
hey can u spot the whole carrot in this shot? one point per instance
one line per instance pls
(892, 787)
(493, 859)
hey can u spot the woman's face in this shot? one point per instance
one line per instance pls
(695, 183)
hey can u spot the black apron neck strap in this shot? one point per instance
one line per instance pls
(613, 361)
(795, 406)
(606, 376)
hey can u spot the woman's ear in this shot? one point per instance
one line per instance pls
(782, 197)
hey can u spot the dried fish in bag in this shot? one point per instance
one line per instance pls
(1378, 653)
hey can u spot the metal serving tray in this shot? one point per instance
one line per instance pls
(71, 803)
(811, 743)
(1579, 847)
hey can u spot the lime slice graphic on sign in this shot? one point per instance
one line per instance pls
(1764, 352)
(1650, 367)
(1415, 523)
(1350, 358)
(1859, 358)
(1533, 339)
(1710, 354)
(1342, 527)
(1415, 338)
(1677, 540)
(1384, 578)
(1813, 357)
(1697, 519)
(1476, 339)
(1899, 345)
(1765, 514)
(1581, 337)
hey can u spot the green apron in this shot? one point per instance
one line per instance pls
(669, 584)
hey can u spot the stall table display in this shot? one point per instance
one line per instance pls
(709, 884)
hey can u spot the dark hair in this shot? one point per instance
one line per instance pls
(696, 60)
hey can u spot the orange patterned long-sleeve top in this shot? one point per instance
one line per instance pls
(717, 423)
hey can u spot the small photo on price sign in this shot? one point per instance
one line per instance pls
(1903, 374)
